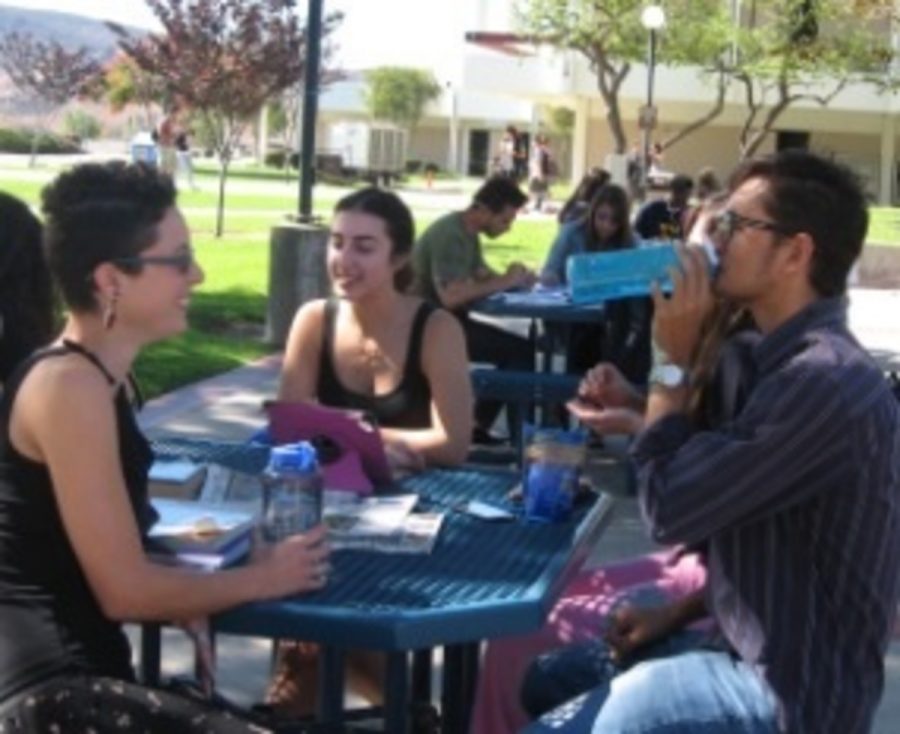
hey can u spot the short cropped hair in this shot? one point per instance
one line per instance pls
(808, 193)
(100, 212)
(398, 222)
(498, 193)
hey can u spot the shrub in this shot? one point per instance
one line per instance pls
(276, 159)
(18, 140)
(81, 125)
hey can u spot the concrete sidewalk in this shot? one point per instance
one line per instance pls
(229, 407)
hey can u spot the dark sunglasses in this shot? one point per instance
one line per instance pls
(727, 222)
(182, 263)
(327, 449)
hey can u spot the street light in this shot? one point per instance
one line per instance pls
(653, 18)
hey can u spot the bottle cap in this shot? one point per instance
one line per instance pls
(293, 458)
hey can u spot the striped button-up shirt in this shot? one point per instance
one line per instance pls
(798, 499)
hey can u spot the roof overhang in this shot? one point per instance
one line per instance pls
(510, 44)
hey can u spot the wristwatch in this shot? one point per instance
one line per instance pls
(668, 375)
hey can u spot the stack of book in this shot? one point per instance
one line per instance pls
(175, 478)
(200, 535)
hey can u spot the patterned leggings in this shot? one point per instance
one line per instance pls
(82, 704)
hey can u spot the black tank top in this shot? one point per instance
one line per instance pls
(406, 406)
(50, 622)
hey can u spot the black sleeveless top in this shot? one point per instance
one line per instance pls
(50, 622)
(406, 406)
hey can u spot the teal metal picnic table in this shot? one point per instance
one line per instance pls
(548, 305)
(482, 580)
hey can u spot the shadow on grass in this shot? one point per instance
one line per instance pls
(226, 332)
(227, 312)
(193, 356)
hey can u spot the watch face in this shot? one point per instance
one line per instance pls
(668, 375)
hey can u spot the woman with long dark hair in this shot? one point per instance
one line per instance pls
(578, 203)
(372, 347)
(26, 291)
(623, 335)
(400, 359)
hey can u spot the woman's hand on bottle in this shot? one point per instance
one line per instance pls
(296, 564)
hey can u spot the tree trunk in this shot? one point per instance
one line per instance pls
(220, 206)
(704, 119)
(35, 140)
(609, 81)
(614, 118)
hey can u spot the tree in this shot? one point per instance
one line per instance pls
(399, 94)
(611, 37)
(125, 83)
(223, 60)
(787, 51)
(82, 125)
(47, 74)
(561, 120)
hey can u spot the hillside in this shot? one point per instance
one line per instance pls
(69, 29)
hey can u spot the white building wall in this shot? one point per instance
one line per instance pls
(857, 126)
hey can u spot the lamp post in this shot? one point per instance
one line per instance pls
(653, 18)
(310, 108)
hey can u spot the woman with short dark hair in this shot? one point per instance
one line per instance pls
(73, 475)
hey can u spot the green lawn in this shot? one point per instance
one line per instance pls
(228, 310)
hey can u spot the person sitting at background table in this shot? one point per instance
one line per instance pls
(373, 348)
(623, 335)
(450, 271)
(664, 218)
(577, 204)
(73, 475)
(27, 302)
(708, 187)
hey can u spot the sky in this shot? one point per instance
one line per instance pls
(374, 32)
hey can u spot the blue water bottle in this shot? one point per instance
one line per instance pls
(292, 498)
(606, 276)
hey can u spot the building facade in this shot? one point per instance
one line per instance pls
(858, 126)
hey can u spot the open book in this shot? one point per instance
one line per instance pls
(385, 524)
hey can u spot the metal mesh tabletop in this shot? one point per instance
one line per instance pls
(482, 579)
(519, 305)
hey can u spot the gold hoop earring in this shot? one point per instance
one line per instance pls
(109, 311)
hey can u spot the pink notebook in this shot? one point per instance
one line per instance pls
(351, 453)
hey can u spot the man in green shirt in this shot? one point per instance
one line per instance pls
(450, 271)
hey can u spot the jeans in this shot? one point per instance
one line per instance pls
(692, 692)
(560, 675)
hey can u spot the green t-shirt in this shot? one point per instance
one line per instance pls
(443, 253)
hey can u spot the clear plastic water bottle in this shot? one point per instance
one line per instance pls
(292, 500)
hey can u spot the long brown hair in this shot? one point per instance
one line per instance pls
(615, 198)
